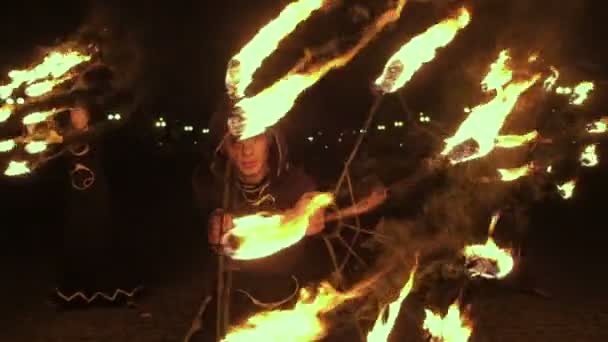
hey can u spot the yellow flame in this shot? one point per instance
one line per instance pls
(512, 141)
(270, 105)
(490, 251)
(599, 126)
(17, 168)
(509, 175)
(303, 323)
(43, 87)
(552, 79)
(563, 90)
(37, 117)
(388, 314)
(454, 327)
(566, 190)
(5, 112)
(589, 157)
(54, 65)
(35, 147)
(7, 145)
(485, 121)
(243, 65)
(499, 75)
(581, 93)
(258, 236)
(420, 50)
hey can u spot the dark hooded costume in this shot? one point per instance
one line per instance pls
(268, 279)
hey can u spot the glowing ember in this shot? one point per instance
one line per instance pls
(303, 323)
(257, 236)
(5, 113)
(489, 261)
(483, 124)
(566, 190)
(551, 80)
(418, 51)
(581, 92)
(7, 145)
(454, 327)
(17, 168)
(600, 126)
(388, 314)
(37, 117)
(509, 175)
(512, 141)
(54, 65)
(35, 147)
(265, 109)
(499, 74)
(243, 65)
(589, 157)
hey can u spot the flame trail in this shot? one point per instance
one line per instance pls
(499, 74)
(257, 236)
(489, 260)
(454, 327)
(388, 314)
(509, 175)
(589, 157)
(581, 93)
(599, 126)
(55, 65)
(420, 50)
(37, 117)
(273, 103)
(512, 141)
(243, 65)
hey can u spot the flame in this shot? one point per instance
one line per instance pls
(454, 327)
(509, 175)
(244, 64)
(7, 145)
(5, 112)
(270, 105)
(37, 117)
(490, 251)
(581, 92)
(17, 168)
(43, 87)
(35, 147)
(420, 50)
(388, 314)
(54, 65)
(301, 323)
(563, 90)
(599, 126)
(258, 236)
(512, 141)
(499, 74)
(566, 190)
(485, 121)
(589, 157)
(552, 79)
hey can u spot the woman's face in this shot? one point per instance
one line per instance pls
(250, 156)
(80, 118)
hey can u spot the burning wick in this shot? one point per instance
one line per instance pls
(488, 261)
(454, 327)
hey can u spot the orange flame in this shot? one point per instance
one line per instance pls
(512, 141)
(599, 126)
(388, 314)
(589, 157)
(299, 324)
(270, 105)
(566, 190)
(243, 65)
(509, 175)
(257, 236)
(420, 50)
(17, 168)
(7, 145)
(454, 327)
(499, 74)
(485, 121)
(54, 65)
(581, 93)
(490, 251)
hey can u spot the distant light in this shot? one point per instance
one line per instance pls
(339, 140)
(10, 101)
(320, 133)
(205, 130)
(550, 169)
(110, 117)
(467, 109)
(188, 128)
(326, 147)
(117, 116)
(398, 123)
(20, 100)
(362, 131)
(311, 138)
(400, 144)
(381, 127)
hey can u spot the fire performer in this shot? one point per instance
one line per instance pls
(262, 180)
